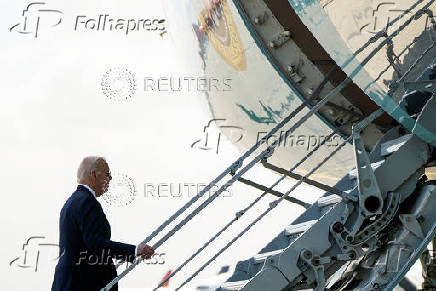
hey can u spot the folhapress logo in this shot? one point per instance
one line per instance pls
(37, 15)
(107, 23)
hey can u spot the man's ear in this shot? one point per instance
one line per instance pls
(94, 174)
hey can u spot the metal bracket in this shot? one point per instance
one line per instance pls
(280, 39)
(316, 264)
(261, 18)
(370, 197)
(411, 224)
(342, 115)
(294, 73)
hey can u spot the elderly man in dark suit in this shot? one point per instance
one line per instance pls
(86, 250)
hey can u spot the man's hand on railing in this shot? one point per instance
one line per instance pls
(145, 251)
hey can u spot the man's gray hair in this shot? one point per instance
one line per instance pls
(87, 165)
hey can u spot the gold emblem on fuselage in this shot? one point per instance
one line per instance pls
(217, 22)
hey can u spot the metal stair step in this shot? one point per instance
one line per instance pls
(329, 200)
(231, 286)
(260, 258)
(299, 228)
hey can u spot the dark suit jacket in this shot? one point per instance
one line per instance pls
(86, 251)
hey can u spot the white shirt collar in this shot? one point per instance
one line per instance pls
(89, 188)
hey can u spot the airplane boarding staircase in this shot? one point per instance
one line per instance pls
(366, 231)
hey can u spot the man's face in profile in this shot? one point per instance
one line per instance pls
(103, 177)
